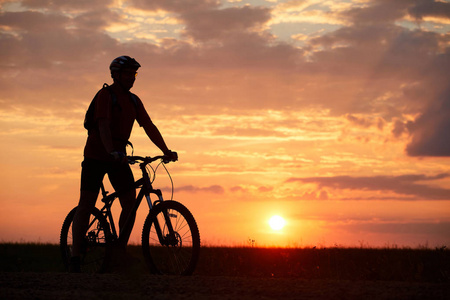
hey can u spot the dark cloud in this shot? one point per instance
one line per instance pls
(399, 129)
(379, 224)
(90, 15)
(377, 53)
(365, 122)
(64, 4)
(371, 69)
(47, 53)
(431, 131)
(41, 39)
(412, 62)
(431, 8)
(407, 185)
(219, 24)
(232, 37)
(177, 6)
(33, 21)
(96, 19)
(386, 11)
(380, 11)
(411, 228)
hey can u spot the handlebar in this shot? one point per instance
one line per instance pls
(147, 160)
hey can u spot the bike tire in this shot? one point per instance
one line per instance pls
(94, 250)
(179, 258)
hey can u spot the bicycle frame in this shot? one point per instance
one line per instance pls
(146, 189)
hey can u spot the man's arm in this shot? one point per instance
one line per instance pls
(155, 136)
(152, 131)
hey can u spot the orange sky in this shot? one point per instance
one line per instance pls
(332, 114)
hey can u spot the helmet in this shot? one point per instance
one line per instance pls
(123, 62)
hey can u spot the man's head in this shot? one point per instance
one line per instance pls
(124, 71)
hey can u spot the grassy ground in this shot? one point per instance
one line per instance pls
(418, 265)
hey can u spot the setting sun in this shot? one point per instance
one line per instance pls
(277, 223)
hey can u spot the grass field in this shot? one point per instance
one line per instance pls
(390, 264)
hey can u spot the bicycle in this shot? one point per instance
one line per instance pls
(170, 235)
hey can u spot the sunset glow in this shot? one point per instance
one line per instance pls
(332, 114)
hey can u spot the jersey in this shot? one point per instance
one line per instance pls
(120, 116)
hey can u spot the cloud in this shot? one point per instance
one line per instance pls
(315, 195)
(399, 129)
(371, 70)
(404, 228)
(59, 5)
(423, 9)
(247, 189)
(378, 11)
(365, 122)
(387, 224)
(276, 73)
(382, 12)
(223, 23)
(403, 185)
(214, 189)
(430, 132)
(175, 5)
(310, 11)
(33, 21)
(39, 40)
(375, 44)
(95, 20)
(78, 38)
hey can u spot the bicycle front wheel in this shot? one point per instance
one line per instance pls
(171, 249)
(93, 249)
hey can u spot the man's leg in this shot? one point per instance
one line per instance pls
(81, 220)
(127, 216)
(91, 177)
(122, 180)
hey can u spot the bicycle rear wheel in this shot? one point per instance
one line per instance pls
(93, 250)
(175, 253)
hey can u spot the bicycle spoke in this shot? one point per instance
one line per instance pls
(93, 252)
(177, 253)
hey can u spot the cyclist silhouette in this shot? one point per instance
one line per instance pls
(115, 110)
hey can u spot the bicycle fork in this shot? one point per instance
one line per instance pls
(169, 239)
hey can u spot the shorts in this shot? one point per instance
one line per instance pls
(93, 171)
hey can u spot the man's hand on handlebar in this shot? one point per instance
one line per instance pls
(166, 158)
(171, 156)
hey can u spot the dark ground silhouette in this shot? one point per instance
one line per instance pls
(36, 272)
